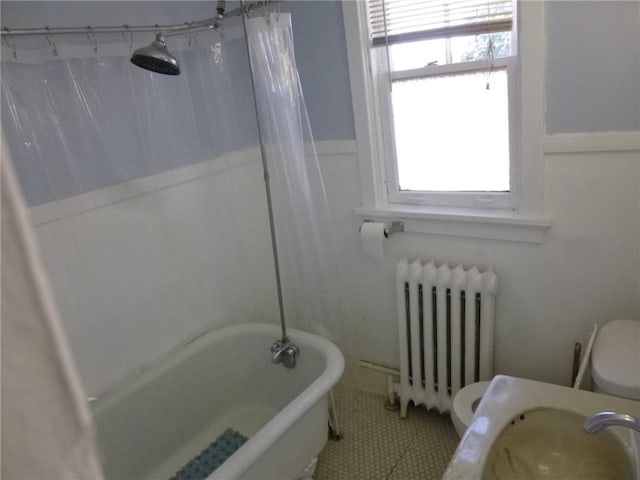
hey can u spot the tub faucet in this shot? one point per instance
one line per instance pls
(600, 420)
(282, 351)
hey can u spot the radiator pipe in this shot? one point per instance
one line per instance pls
(392, 391)
(577, 349)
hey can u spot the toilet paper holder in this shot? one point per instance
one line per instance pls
(394, 228)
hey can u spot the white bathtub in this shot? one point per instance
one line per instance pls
(151, 426)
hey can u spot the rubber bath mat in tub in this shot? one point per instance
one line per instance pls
(201, 466)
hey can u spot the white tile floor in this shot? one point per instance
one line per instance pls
(378, 444)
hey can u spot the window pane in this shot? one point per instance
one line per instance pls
(452, 133)
(476, 47)
(406, 56)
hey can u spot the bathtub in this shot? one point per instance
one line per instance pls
(152, 425)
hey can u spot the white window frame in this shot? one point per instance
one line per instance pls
(504, 200)
(521, 218)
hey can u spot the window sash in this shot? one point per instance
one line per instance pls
(497, 200)
(395, 21)
(448, 69)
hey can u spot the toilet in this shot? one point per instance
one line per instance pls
(615, 370)
(465, 403)
(615, 359)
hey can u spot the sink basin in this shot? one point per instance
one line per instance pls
(546, 443)
(524, 429)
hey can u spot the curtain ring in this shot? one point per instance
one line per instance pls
(124, 37)
(192, 38)
(51, 43)
(14, 51)
(92, 38)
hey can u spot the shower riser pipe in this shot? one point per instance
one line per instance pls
(283, 344)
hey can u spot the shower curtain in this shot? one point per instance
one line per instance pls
(313, 280)
(145, 192)
(147, 197)
(47, 430)
(80, 121)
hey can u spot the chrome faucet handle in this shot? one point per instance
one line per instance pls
(600, 420)
(284, 352)
(276, 347)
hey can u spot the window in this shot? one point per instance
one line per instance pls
(444, 74)
(521, 217)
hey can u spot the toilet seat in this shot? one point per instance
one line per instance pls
(464, 404)
(615, 359)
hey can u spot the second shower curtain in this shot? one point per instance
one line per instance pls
(302, 217)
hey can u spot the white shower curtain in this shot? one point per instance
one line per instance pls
(147, 198)
(47, 431)
(304, 228)
(146, 194)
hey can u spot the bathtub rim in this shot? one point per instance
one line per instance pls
(153, 369)
(277, 426)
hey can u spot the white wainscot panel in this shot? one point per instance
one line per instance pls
(138, 274)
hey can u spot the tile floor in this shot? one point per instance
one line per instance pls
(378, 444)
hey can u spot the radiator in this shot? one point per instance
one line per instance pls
(445, 319)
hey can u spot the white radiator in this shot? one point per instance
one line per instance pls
(446, 318)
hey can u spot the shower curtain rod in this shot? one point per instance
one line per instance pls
(167, 30)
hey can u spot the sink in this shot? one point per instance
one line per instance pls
(524, 429)
(548, 443)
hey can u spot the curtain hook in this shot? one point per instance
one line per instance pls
(192, 38)
(92, 38)
(124, 37)
(14, 51)
(51, 43)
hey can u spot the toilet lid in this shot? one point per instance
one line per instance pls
(615, 360)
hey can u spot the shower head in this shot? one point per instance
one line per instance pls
(156, 58)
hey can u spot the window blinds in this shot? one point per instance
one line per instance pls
(396, 21)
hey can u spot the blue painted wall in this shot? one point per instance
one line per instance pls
(593, 66)
(133, 123)
(321, 55)
(592, 84)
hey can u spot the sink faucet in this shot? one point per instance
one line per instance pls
(284, 352)
(600, 420)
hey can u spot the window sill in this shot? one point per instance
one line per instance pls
(459, 222)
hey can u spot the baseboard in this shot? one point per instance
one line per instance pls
(368, 377)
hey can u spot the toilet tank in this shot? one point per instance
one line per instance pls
(615, 359)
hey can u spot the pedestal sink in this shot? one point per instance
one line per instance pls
(524, 429)
(550, 443)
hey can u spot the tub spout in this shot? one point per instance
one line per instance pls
(600, 420)
(284, 352)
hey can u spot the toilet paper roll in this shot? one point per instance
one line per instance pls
(372, 236)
